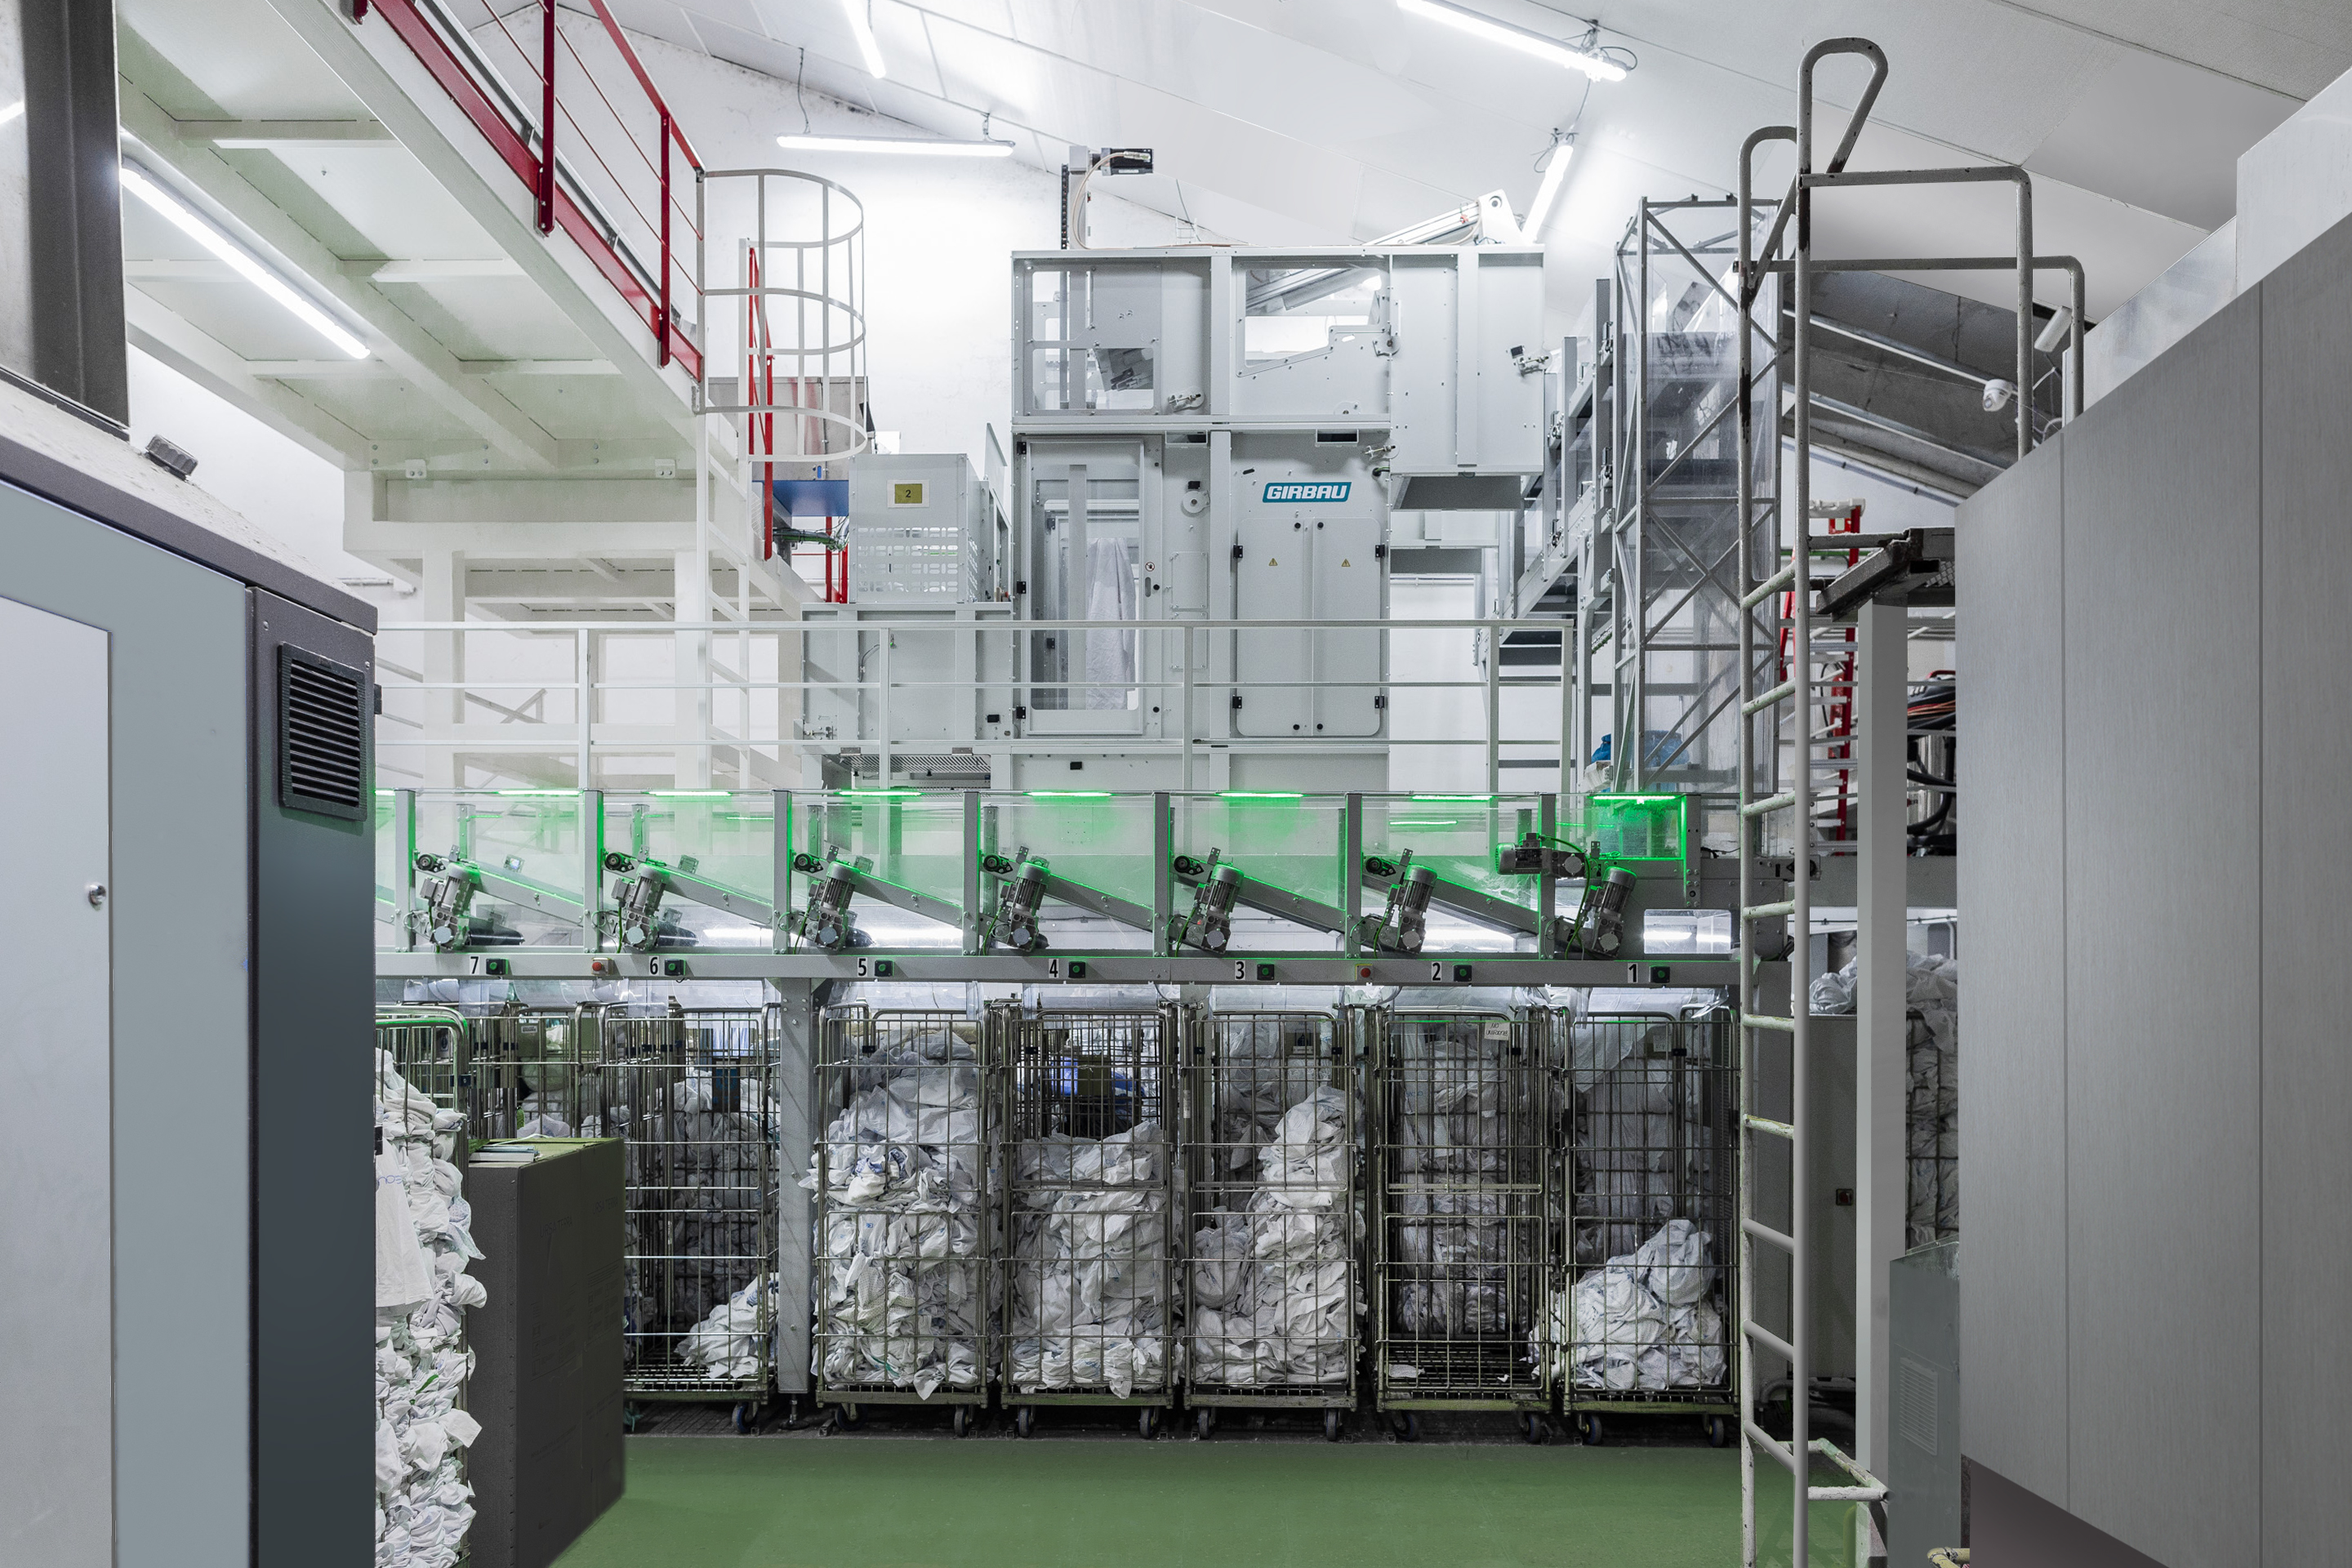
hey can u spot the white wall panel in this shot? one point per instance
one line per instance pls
(2306, 1072)
(2163, 737)
(2014, 888)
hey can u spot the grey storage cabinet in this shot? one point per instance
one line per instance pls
(547, 1379)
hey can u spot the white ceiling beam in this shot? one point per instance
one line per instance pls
(433, 271)
(322, 369)
(401, 343)
(162, 333)
(272, 134)
(387, 78)
(178, 269)
(538, 367)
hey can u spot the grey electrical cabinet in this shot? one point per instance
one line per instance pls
(188, 795)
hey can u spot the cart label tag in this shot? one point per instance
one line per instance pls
(1497, 1030)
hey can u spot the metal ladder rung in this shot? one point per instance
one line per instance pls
(1867, 1488)
(1766, 911)
(1766, 1124)
(1777, 582)
(1769, 1340)
(1770, 1444)
(1768, 804)
(1781, 692)
(1765, 1233)
(1770, 1021)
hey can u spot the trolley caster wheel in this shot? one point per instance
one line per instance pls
(1718, 1432)
(1204, 1422)
(847, 1417)
(962, 1420)
(1147, 1422)
(1330, 1426)
(1408, 1427)
(1588, 1428)
(1023, 1420)
(1537, 1431)
(745, 1419)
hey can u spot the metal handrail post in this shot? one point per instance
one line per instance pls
(585, 697)
(1494, 711)
(661, 307)
(547, 120)
(882, 775)
(1625, 757)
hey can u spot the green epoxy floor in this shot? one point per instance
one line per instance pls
(875, 1501)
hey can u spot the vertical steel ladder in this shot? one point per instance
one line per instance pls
(1784, 713)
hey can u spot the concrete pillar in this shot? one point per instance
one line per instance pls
(1880, 1187)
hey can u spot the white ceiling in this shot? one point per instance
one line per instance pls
(1289, 122)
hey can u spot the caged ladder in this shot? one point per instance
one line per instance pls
(1779, 720)
(1782, 716)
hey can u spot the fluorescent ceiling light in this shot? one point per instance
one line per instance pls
(936, 146)
(1555, 172)
(11, 112)
(239, 262)
(1519, 39)
(863, 29)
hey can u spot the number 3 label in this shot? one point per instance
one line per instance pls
(1241, 969)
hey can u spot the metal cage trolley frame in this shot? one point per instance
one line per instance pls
(432, 1047)
(538, 1073)
(1639, 1323)
(1464, 1167)
(692, 1092)
(908, 1220)
(1094, 1125)
(1271, 1293)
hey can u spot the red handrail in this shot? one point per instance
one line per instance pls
(537, 168)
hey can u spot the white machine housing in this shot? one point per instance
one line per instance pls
(1197, 435)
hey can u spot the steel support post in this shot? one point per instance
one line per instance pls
(1881, 1194)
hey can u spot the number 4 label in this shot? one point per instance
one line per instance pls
(1053, 969)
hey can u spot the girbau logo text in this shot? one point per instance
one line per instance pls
(1306, 489)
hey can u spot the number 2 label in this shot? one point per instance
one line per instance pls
(1437, 972)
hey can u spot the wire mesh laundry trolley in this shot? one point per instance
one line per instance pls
(1273, 1192)
(538, 1073)
(908, 1220)
(692, 1094)
(1094, 1122)
(1641, 1322)
(1462, 1112)
(432, 1047)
